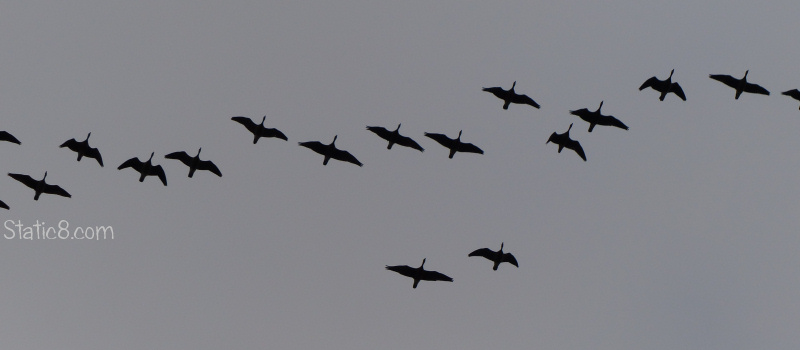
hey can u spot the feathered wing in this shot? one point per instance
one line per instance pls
(609, 120)
(725, 79)
(676, 89)
(134, 163)
(409, 142)
(4, 205)
(208, 165)
(434, 276)
(159, 171)
(652, 82)
(575, 146)
(381, 131)
(25, 179)
(345, 157)
(507, 257)
(468, 147)
(441, 139)
(270, 132)
(484, 252)
(794, 93)
(404, 270)
(5, 136)
(55, 189)
(182, 156)
(497, 91)
(246, 122)
(72, 145)
(525, 100)
(315, 146)
(755, 89)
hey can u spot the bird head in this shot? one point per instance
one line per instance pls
(512, 86)
(87, 136)
(45, 175)
(501, 246)
(263, 119)
(198, 150)
(601, 106)
(745, 74)
(334, 139)
(151, 156)
(423, 263)
(670, 73)
(398, 127)
(459, 135)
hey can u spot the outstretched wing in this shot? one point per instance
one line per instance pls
(434, 276)
(71, 144)
(404, 270)
(246, 122)
(381, 131)
(468, 147)
(441, 139)
(575, 146)
(484, 252)
(134, 163)
(408, 142)
(345, 157)
(649, 83)
(25, 179)
(158, 170)
(5, 136)
(507, 257)
(675, 88)
(725, 79)
(525, 100)
(315, 146)
(497, 91)
(755, 89)
(55, 189)
(208, 165)
(182, 156)
(611, 121)
(794, 93)
(4, 205)
(270, 132)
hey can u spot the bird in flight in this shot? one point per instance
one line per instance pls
(40, 186)
(194, 163)
(664, 87)
(564, 141)
(5, 136)
(496, 257)
(4, 205)
(455, 145)
(419, 273)
(509, 96)
(596, 118)
(740, 85)
(330, 151)
(259, 130)
(794, 93)
(394, 137)
(145, 168)
(83, 149)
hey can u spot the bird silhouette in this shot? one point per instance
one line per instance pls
(394, 137)
(664, 87)
(495, 256)
(145, 168)
(596, 118)
(563, 140)
(4, 205)
(419, 273)
(5, 136)
(740, 85)
(330, 151)
(259, 130)
(194, 163)
(455, 145)
(83, 149)
(794, 93)
(40, 186)
(509, 96)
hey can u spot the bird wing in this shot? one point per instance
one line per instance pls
(610, 120)
(246, 122)
(649, 83)
(208, 165)
(315, 146)
(25, 179)
(5, 136)
(575, 146)
(4, 205)
(270, 132)
(725, 79)
(497, 91)
(345, 157)
(441, 139)
(484, 252)
(94, 153)
(182, 156)
(158, 170)
(794, 93)
(525, 100)
(134, 163)
(468, 147)
(404, 270)
(71, 144)
(55, 189)
(755, 89)
(408, 142)
(507, 257)
(434, 276)
(675, 88)
(381, 131)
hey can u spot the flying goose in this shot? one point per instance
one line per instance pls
(509, 96)
(564, 141)
(740, 85)
(419, 273)
(40, 186)
(194, 163)
(145, 168)
(495, 256)
(455, 145)
(83, 149)
(394, 137)
(596, 118)
(330, 151)
(664, 87)
(259, 130)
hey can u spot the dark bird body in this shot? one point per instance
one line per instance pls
(5, 136)
(564, 141)
(83, 149)
(40, 186)
(145, 168)
(496, 257)
(596, 118)
(455, 145)
(194, 163)
(419, 273)
(740, 85)
(394, 137)
(330, 151)
(509, 96)
(664, 87)
(259, 130)
(794, 93)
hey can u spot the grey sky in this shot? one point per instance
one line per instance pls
(680, 233)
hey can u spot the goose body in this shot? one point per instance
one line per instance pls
(145, 168)
(740, 85)
(394, 137)
(194, 163)
(259, 130)
(83, 149)
(496, 257)
(419, 273)
(330, 151)
(455, 145)
(597, 118)
(564, 141)
(510, 96)
(794, 93)
(5, 136)
(39, 186)
(664, 87)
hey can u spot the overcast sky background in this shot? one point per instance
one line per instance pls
(680, 233)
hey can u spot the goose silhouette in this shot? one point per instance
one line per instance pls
(740, 85)
(793, 93)
(419, 273)
(394, 137)
(455, 145)
(330, 151)
(496, 257)
(259, 130)
(509, 96)
(597, 118)
(194, 163)
(83, 149)
(5, 136)
(145, 168)
(564, 141)
(40, 186)
(664, 87)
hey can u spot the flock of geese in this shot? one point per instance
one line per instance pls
(330, 151)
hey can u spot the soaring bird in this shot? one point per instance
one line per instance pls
(563, 140)
(83, 149)
(509, 96)
(5, 136)
(495, 256)
(395, 137)
(596, 118)
(455, 145)
(794, 93)
(194, 163)
(259, 130)
(145, 168)
(419, 274)
(39, 185)
(4, 205)
(330, 151)
(664, 87)
(741, 85)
